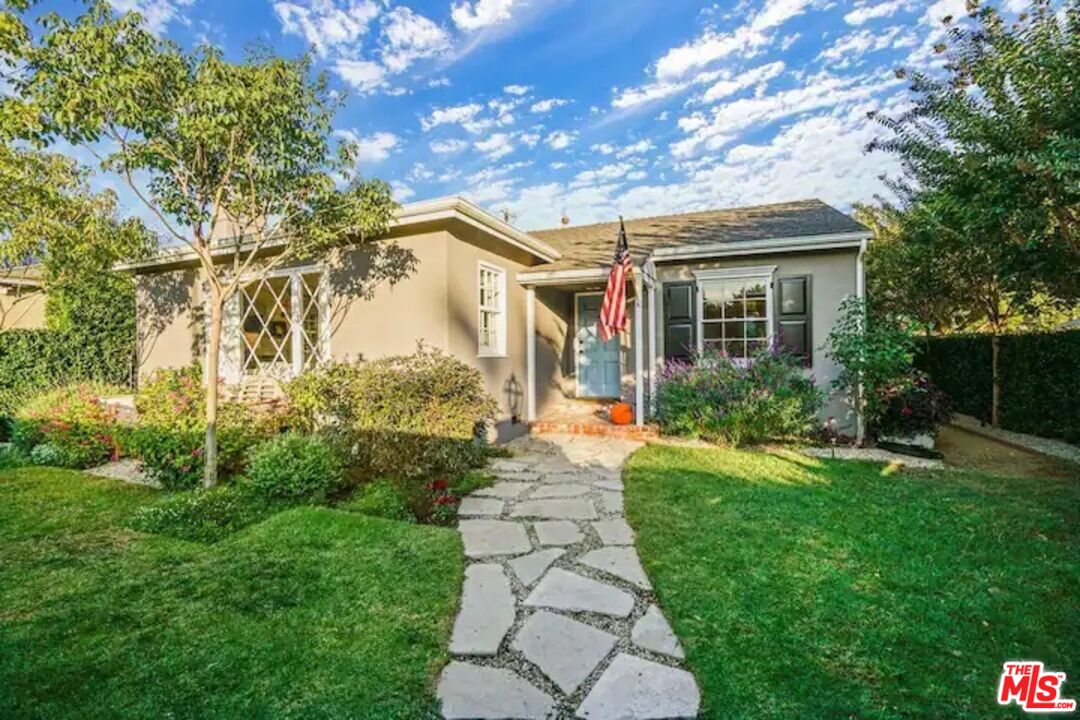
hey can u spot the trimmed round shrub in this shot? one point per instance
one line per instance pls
(74, 421)
(294, 467)
(716, 398)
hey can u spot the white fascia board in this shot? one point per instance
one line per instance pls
(412, 214)
(559, 277)
(760, 247)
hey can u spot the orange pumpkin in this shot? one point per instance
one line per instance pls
(621, 414)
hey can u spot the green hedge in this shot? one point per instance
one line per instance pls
(1040, 379)
(34, 360)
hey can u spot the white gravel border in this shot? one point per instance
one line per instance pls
(872, 455)
(1046, 446)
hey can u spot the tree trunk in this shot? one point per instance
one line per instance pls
(213, 361)
(995, 399)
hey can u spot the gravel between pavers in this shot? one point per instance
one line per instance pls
(558, 461)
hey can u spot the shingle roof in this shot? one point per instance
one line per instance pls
(591, 246)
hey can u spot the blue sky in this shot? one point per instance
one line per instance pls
(596, 107)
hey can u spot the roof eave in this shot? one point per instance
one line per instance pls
(453, 207)
(799, 243)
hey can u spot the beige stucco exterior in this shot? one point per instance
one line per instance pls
(21, 308)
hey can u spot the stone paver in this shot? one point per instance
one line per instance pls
(493, 537)
(487, 611)
(529, 568)
(560, 490)
(619, 561)
(614, 532)
(563, 590)
(557, 532)
(480, 506)
(652, 632)
(505, 490)
(471, 691)
(556, 509)
(636, 688)
(565, 650)
(569, 600)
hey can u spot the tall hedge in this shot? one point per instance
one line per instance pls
(1040, 379)
(35, 360)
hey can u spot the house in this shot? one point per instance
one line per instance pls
(522, 306)
(22, 300)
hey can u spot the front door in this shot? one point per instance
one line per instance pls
(598, 367)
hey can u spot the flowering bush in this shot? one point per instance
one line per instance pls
(716, 398)
(169, 437)
(913, 406)
(73, 420)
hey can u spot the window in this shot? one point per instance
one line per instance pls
(492, 301)
(284, 323)
(793, 316)
(734, 310)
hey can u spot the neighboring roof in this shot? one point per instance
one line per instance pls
(591, 246)
(25, 275)
(446, 208)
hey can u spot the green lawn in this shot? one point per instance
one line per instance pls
(313, 613)
(823, 589)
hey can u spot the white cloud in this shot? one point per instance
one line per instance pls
(517, 89)
(548, 105)
(364, 76)
(455, 115)
(529, 139)
(420, 173)
(864, 13)
(822, 90)
(603, 148)
(490, 192)
(326, 25)
(447, 147)
(156, 14)
(439, 82)
(402, 192)
(754, 76)
(496, 146)
(560, 140)
(372, 148)
(638, 148)
(602, 174)
(847, 50)
(480, 14)
(409, 37)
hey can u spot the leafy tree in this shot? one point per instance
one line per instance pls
(986, 226)
(240, 145)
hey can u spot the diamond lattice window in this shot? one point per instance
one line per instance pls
(282, 323)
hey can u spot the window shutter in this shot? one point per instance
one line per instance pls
(679, 320)
(793, 313)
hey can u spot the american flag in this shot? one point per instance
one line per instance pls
(613, 310)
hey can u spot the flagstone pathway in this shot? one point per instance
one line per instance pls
(557, 616)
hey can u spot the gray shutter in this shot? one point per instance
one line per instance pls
(679, 320)
(793, 313)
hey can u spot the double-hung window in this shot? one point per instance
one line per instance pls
(492, 303)
(735, 310)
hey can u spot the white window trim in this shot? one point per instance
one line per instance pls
(500, 350)
(323, 303)
(765, 273)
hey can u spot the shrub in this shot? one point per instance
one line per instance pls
(169, 437)
(874, 353)
(413, 416)
(914, 407)
(46, 454)
(379, 498)
(11, 457)
(74, 421)
(718, 399)
(295, 467)
(205, 515)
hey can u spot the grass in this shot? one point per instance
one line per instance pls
(312, 613)
(825, 589)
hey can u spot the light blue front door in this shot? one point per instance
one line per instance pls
(598, 368)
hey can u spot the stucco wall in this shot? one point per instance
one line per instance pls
(169, 307)
(21, 309)
(833, 279)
